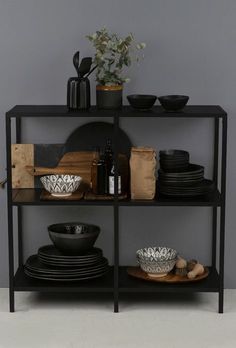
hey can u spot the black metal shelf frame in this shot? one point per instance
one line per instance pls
(117, 280)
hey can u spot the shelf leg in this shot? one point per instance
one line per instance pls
(116, 259)
(20, 237)
(10, 216)
(116, 216)
(222, 214)
(215, 179)
(19, 209)
(214, 237)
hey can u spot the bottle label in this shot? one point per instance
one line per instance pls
(112, 185)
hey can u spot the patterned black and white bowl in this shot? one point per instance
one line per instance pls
(156, 261)
(61, 185)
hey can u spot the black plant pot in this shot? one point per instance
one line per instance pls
(109, 97)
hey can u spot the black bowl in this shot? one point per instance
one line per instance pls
(173, 102)
(174, 155)
(74, 237)
(141, 101)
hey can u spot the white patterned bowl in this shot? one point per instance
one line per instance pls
(61, 185)
(156, 261)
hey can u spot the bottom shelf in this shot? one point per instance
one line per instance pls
(106, 284)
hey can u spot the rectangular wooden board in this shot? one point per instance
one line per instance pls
(22, 155)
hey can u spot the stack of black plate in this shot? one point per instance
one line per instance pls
(51, 264)
(178, 177)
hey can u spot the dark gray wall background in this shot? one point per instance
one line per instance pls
(191, 49)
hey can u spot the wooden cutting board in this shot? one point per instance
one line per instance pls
(76, 196)
(76, 163)
(73, 157)
(169, 278)
(22, 156)
(29, 161)
(24, 170)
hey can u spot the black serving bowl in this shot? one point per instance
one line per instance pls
(73, 238)
(173, 102)
(174, 153)
(141, 101)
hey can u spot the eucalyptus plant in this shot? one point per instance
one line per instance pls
(112, 55)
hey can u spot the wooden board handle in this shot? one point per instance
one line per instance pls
(37, 171)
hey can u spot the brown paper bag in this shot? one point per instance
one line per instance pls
(143, 173)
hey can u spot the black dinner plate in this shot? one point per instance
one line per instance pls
(87, 277)
(51, 251)
(60, 263)
(203, 188)
(191, 169)
(34, 264)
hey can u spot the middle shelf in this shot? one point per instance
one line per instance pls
(21, 197)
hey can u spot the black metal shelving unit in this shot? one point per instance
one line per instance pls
(117, 280)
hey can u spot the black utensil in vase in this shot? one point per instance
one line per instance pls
(78, 88)
(76, 61)
(84, 67)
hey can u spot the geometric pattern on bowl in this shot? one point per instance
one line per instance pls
(61, 185)
(157, 267)
(156, 254)
(156, 261)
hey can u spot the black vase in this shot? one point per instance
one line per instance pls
(78, 93)
(109, 97)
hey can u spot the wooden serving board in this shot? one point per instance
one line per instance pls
(90, 196)
(75, 163)
(76, 196)
(22, 156)
(169, 278)
(30, 161)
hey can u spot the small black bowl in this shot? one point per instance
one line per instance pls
(173, 102)
(141, 101)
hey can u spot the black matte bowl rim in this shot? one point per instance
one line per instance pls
(174, 153)
(54, 228)
(74, 236)
(141, 96)
(173, 97)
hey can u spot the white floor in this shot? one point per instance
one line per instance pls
(66, 321)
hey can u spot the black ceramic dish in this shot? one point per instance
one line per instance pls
(35, 269)
(73, 244)
(34, 264)
(73, 228)
(49, 251)
(141, 101)
(174, 154)
(173, 102)
(202, 188)
(37, 276)
(192, 169)
(73, 238)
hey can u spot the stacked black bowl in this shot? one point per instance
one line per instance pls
(178, 177)
(73, 256)
(174, 159)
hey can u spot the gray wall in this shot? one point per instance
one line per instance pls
(191, 48)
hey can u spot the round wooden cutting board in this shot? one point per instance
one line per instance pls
(169, 278)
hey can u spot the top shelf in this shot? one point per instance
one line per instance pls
(193, 111)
